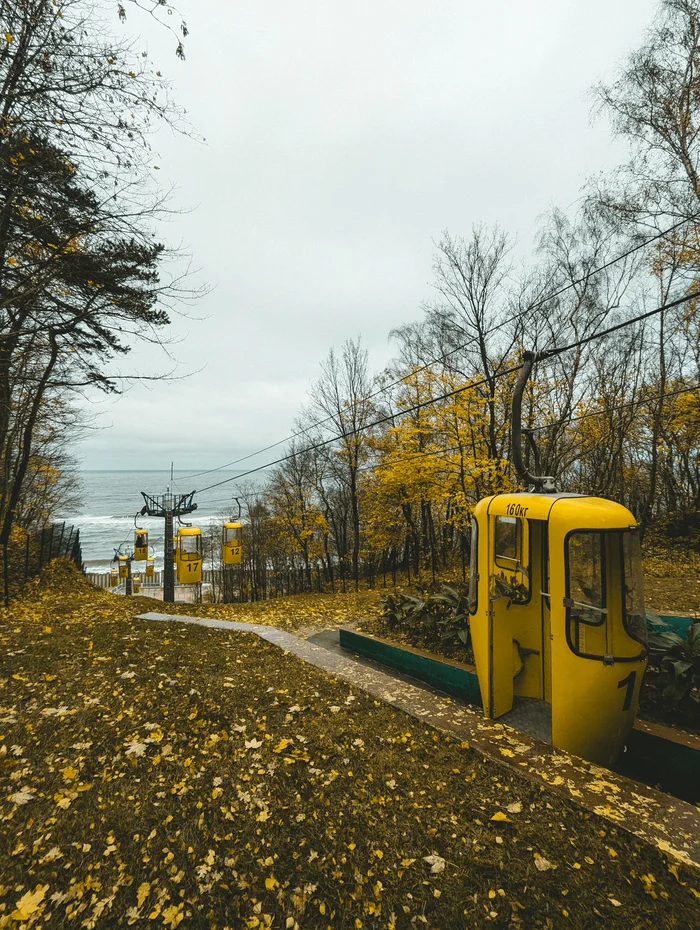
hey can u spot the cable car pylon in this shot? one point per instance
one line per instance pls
(231, 551)
(168, 506)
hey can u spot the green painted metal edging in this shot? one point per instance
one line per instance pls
(673, 764)
(678, 622)
(449, 677)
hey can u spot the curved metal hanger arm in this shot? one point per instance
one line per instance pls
(544, 483)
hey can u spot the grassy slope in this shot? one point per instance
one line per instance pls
(198, 776)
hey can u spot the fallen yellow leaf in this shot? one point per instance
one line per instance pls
(143, 892)
(29, 903)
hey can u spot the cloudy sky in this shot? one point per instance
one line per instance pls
(341, 140)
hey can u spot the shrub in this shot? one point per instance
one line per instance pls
(679, 662)
(436, 618)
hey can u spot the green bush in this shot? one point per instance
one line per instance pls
(433, 619)
(678, 660)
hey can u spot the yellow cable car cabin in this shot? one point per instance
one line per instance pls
(140, 545)
(136, 582)
(232, 545)
(557, 622)
(189, 555)
(558, 616)
(113, 578)
(150, 567)
(123, 566)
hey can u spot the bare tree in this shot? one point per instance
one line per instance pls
(342, 395)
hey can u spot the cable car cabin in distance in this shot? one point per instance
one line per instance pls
(140, 545)
(114, 577)
(123, 566)
(232, 545)
(189, 555)
(150, 567)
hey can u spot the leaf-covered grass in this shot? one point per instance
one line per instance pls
(156, 774)
(303, 612)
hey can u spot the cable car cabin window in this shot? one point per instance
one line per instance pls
(604, 597)
(513, 579)
(474, 568)
(508, 541)
(586, 582)
(141, 540)
(635, 613)
(232, 534)
(189, 546)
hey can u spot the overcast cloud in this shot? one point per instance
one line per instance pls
(342, 139)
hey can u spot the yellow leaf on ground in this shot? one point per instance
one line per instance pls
(29, 903)
(173, 915)
(500, 816)
(271, 883)
(142, 893)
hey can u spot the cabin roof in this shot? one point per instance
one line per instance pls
(576, 509)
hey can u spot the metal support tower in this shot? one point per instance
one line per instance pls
(129, 582)
(168, 506)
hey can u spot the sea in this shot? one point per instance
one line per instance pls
(111, 499)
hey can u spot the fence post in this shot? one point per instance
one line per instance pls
(60, 540)
(68, 541)
(78, 548)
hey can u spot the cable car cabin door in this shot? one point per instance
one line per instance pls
(500, 658)
(515, 619)
(598, 641)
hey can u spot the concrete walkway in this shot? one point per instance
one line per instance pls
(673, 826)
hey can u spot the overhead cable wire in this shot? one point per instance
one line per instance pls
(389, 463)
(441, 358)
(558, 350)
(551, 353)
(361, 429)
(615, 408)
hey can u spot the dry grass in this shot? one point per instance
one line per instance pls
(296, 612)
(157, 774)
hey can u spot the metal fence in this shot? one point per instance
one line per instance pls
(102, 579)
(25, 559)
